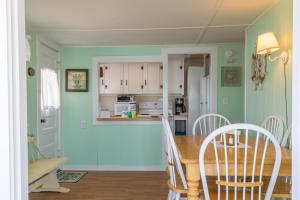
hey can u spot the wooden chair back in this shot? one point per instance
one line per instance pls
(243, 162)
(275, 125)
(208, 123)
(174, 164)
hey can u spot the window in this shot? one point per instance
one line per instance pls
(49, 89)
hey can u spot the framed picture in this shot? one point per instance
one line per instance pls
(231, 76)
(76, 80)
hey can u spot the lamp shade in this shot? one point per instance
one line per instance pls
(267, 44)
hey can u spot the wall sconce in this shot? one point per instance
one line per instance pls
(229, 55)
(268, 44)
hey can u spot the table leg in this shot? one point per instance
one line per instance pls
(193, 181)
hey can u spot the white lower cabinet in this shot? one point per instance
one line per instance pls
(138, 78)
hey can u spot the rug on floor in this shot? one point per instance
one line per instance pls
(70, 176)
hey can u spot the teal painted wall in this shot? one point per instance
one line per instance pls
(270, 100)
(32, 94)
(126, 145)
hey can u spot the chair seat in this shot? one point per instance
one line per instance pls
(282, 189)
(213, 194)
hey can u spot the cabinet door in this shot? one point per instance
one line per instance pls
(176, 79)
(151, 78)
(161, 78)
(135, 78)
(113, 78)
(101, 79)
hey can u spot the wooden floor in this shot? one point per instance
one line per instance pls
(113, 186)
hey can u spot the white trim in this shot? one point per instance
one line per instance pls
(213, 51)
(295, 101)
(113, 168)
(245, 76)
(13, 104)
(95, 88)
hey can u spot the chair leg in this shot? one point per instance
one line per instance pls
(170, 195)
(177, 196)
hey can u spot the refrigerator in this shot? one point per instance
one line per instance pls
(197, 94)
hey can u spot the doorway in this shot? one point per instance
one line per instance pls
(48, 135)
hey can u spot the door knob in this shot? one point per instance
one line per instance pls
(43, 120)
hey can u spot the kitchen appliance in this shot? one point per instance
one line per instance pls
(197, 94)
(124, 104)
(153, 108)
(121, 107)
(179, 106)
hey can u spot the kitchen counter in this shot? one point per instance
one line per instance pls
(139, 118)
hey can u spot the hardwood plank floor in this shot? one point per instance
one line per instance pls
(113, 186)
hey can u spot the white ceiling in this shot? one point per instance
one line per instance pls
(137, 22)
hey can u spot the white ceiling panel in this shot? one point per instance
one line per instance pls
(220, 35)
(113, 38)
(133, 22)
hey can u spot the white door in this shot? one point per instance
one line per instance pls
(151, 76)
(114, 78)
(49, 88)
(135, 78)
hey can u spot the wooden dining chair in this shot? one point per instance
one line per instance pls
(245, 162)
(283, 186)
(275, 125)
(177, 182)
(208, 123)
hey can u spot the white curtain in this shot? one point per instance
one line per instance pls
(49, 89)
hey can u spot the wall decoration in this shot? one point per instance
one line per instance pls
(30, 71)
(231, 76)
(76, 80)
(258, 68)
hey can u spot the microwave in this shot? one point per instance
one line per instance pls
(120, 107)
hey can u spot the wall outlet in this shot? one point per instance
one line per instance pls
(83, 124)
(225, 100)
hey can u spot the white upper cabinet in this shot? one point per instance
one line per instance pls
(134, 78)
(113, 79)
(139, 78)
(151, 78)
(176, 75)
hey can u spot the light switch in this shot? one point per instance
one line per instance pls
(83, 124)
(225, 100)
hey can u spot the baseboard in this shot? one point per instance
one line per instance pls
(113, 168)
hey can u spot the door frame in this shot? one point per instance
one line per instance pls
(213, 51)
(41, 40)
(295, 101)
(13, 105)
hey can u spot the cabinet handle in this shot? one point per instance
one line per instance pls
(126, 82)
(142, 67)
(105, 86)
(106, 67)
(161, 67)
(142, 87)
(102, 82)
(145, 82)
(121, 82)
(180, 86)
(180, 67)
(161, 86)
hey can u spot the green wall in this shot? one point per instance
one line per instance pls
(126, 145)
(270, 100)
(32, 94)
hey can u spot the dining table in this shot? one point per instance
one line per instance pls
(189, 147)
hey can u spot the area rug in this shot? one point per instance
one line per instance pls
(70, 176)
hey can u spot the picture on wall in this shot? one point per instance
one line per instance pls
(76, 80)
(231, 76)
